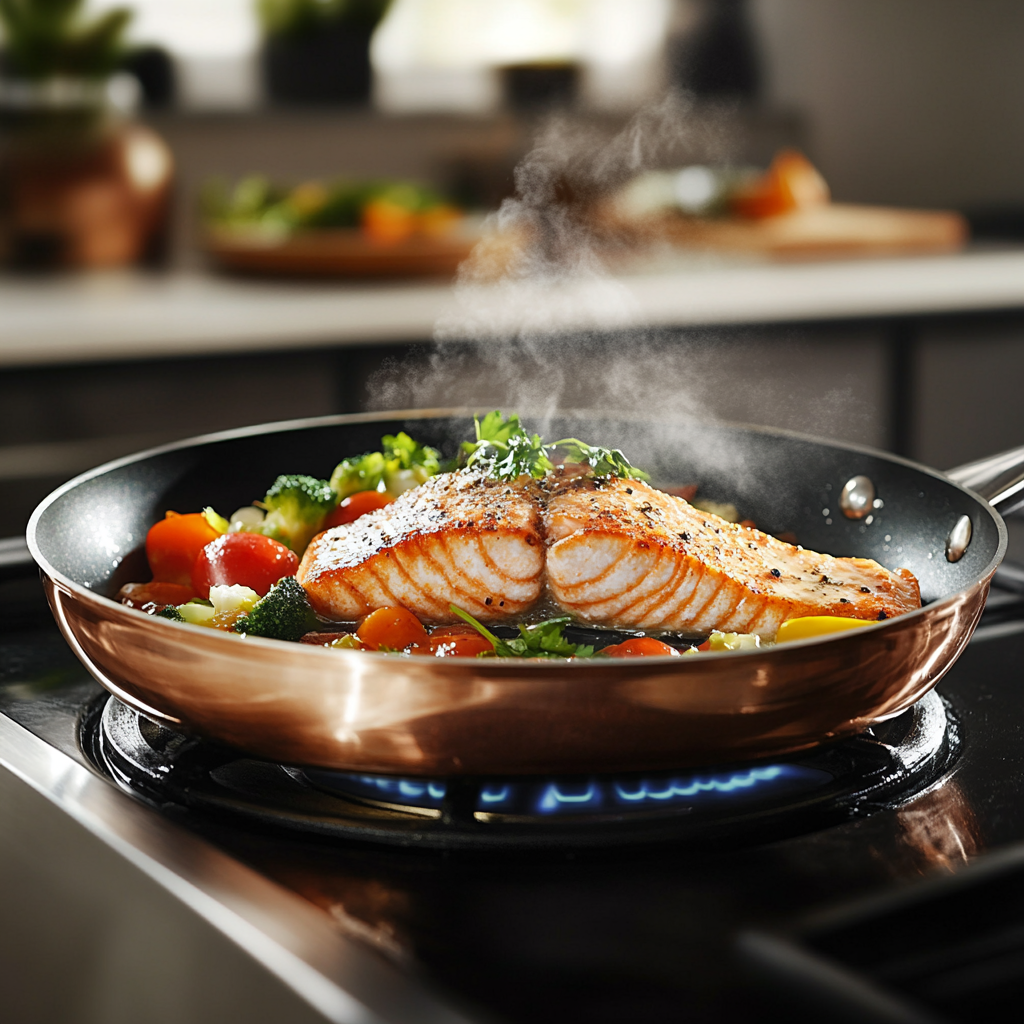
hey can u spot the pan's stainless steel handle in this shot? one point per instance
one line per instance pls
(999, 479)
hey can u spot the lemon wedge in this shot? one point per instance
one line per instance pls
(809, 626)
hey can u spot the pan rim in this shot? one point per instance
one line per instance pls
(507, 664)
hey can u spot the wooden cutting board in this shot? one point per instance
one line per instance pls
(336, 253)
(835, 229)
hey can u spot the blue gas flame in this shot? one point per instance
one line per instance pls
(670, 789)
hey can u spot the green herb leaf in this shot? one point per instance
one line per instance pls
(511, 451)
(541, 640)
(603, 461)
(507, 447)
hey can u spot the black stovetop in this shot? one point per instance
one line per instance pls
(640, 933)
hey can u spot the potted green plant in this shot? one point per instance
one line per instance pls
(318, 51)
(80, 185)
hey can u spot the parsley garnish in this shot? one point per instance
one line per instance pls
(603, 461)
(510, 451)
(542, 640)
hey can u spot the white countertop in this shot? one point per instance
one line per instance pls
(129, 315)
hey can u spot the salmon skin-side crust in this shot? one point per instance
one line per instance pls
(620, 553)
(460, 538)
(611, 552)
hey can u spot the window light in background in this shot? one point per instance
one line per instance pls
(213, 42)
(444, 54)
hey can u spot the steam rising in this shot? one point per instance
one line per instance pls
(539, 324)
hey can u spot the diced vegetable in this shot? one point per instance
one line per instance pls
(641, 647)
(174, 543)
(218, 522)
(348, 642)
(719, 641)
(284, 614)
(393, 629)
(250, 559)
(198, 612)
(247, 519)
(232, 599)
(809, 626)
(356, 505)
(296, 508)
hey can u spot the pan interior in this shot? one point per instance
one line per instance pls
(92, 530)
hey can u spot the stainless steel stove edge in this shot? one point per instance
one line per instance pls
(143, 920)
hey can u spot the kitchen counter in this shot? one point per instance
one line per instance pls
(135, 316)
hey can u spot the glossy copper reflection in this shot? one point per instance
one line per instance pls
(424, 716)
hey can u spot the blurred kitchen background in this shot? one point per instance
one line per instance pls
(216, 213)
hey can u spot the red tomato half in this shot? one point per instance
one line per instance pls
(641, 647)
(249, 559)
(458, 642)
(356, 505)
(173, 544)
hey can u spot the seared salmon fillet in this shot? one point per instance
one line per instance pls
(620, 553)
(460, 538)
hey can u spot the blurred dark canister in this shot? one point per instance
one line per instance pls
(716, 57)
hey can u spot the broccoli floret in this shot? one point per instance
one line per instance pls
(401, 464)
(170, 612)
(284, 614)
(296, 507)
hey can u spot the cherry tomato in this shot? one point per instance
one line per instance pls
(458, 642)
(250, 559)
(173, 544)
(138, 595)
(395, 628)
(356, 505)
(641, 647)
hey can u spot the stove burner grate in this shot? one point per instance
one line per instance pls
(880, 768)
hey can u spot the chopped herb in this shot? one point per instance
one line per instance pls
(603, 461)
(507, 447)
(512, 452)
(542, 640)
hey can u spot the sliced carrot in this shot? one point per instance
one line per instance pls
(174, 543)
(393, 628)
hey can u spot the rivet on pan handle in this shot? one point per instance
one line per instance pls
(858, 497)
(958, 539)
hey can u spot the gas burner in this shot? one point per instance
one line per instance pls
(880, 768)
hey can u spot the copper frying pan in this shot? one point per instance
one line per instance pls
(420, 716)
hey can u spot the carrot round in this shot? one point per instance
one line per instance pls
(393, 628)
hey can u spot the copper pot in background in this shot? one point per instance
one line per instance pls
(79, 187)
